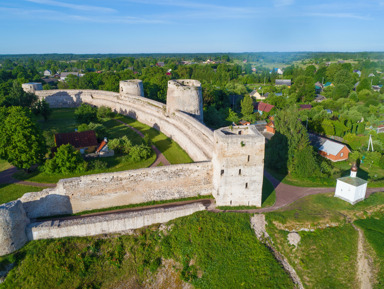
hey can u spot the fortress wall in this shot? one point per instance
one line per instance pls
(190, 134)
(120, 188)
(106, 224)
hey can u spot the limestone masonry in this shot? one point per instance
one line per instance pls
(228, 164)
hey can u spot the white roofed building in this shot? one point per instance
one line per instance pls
(351, 189)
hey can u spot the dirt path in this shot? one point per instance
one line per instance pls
(160, 158)
(364, 270)
(6, 177)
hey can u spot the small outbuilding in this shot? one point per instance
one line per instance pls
(85, 141)
(351, 189)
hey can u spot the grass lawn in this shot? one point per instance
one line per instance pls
(206, 249)
(171, 150)
(11, 192)
(4, 165)
(268, 198)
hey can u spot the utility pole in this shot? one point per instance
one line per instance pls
(370, 143)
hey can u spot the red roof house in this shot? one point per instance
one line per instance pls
(82, 141)
(263, 107)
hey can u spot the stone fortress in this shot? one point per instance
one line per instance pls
(228, 163)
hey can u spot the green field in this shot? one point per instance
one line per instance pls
(11, 192)
(206, 249)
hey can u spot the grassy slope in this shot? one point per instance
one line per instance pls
(171, 150)
(12, 192)
(213, 250)
(325, 257)
(4, 165)
(374, 234)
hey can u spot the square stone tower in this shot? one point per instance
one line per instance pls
(238, 166)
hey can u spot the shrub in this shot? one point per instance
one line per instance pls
(98, 165)
(140, 152)
(66, 160)
(86, 113)
(104, 112)
(120, 145)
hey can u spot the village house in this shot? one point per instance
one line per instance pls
(47, 72)
(319, 98)
(257, 95)
(329, 149)
(305, 107)
(64, 75)
(262, 107)
(270, 127)
(286, 82)
(85, 141)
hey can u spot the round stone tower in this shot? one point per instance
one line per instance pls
(185, 95)
(13, 222)
(131, 87)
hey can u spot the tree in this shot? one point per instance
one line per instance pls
(104, 112)
(304, 87)
(232, 116)
(21, 142)
(247, 107)
(42, 107)
(365, 83)
(328, 127)
(340, 91)
(66, 160)
(288, 124)
(86, 113)
(18, 97)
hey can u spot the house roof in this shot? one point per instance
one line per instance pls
(320, 98)
(305, 106)
(326, 145)
(327, 84)
(77, 139)
(103, 144)
(253, 93)
(262, 106)
(287, 82)
(65, 74)
(353, 181)
(244, 122)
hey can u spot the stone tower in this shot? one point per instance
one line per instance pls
(131, 87)
(238, 165)
(185, 95)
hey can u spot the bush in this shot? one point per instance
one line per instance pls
(120, 145)
(86, 113)
(99, 129)
(66, 160)
(98, 165)
(104, 112)
(140, 152)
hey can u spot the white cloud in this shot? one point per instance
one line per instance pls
(74, 6)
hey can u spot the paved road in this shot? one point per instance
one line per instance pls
(160, 158)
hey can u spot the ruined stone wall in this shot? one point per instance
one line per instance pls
(189, 133)
(120, 188)
(106, 224)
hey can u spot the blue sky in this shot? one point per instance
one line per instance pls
(156, 26)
